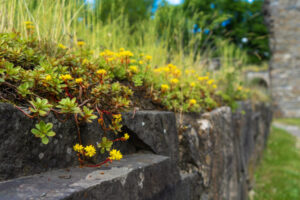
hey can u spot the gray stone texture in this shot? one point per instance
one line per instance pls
(205, 156)
(138, 176)
(224, 148)
(283, 20)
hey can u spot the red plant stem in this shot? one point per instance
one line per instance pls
(119, 139)
(24, 112)
(99, 164)
(78, 129)
(67, 91)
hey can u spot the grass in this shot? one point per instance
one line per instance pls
(289, 121)
(278, 176)
(58, 21)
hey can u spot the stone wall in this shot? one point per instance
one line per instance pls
(283, 20)
(192, 156)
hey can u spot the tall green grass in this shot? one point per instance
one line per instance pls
(64, 21)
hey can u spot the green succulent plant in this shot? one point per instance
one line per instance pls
(43, 131)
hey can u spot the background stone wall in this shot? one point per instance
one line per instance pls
(283, 20)
(194, 156)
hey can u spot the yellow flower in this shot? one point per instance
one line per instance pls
(90, 150)
(110, 59)
(66, 77)
(85, 61)
(101, 72)
(192, 84)
(62, 46)
(122, 49)
(177, 73)
(48, 77)
(174, 81)
(202, 78)
(164, 87)
(115, 155)
(141, 62)
(78, 80)
(214, 86)
(240, 88)
(141, 54)
(30, 26)
(78, 148)
(192, 102)
(126, 54)
(132, 61)
(133, 69)
(211, 81)
(148, 58)
(28, 23)
(117, 116)
(126, 136)
(80, 43)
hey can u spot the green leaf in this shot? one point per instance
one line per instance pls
(35, 132)
(51, 134)
(102, 150)
(45, 140)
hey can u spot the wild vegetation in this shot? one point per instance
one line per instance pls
(71, 59)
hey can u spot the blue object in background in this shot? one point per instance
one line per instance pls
(226, 22)
(206, 31)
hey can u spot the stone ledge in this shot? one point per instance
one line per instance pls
(138, 176)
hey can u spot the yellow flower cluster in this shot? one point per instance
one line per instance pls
(61, 46)
(126, 136)
(192, 102)
(29, 25)
(210, 82)
(126, 54)
(174, 81)
(107, 53)
(88, 150)
(48, 77)
(115, 155)
(101, 72)
(169, 70)
(203, 78)
(133, 69)
(78, 80)
(66, 77)
(78, 148)
(148, 58)
(80, 43)
(164, 87)
(192, 84)
(117, 118)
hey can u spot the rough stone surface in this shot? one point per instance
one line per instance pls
(223, 148)
(213, 156)
(156, 129)
(23, 154)
(138, 176)
(283, 20)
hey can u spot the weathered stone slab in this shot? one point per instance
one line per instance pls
(156, 129)
(23, 154)
(222, 147)
(138, 176)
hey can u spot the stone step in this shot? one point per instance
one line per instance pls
(137, 176)
(22, 154)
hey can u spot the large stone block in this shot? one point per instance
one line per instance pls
(23, 154)
(138, 176)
